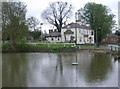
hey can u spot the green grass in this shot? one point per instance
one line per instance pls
(45, 47)
(53, 45)
(87, 46)
(37, 47)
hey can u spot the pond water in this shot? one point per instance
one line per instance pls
(56, 70)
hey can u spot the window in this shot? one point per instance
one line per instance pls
(92, 33)
(58, 39)
(79, 31)
(80, 39)
(85, 35)
(52, 38)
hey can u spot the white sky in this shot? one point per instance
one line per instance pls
(35, 7)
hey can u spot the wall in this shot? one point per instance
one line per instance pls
(80, 35)
(68, 36)
(55, 39)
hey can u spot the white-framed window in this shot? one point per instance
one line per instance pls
(79, 30)
(92, 33)
(80, 39)
(58, 38)
(52, 38)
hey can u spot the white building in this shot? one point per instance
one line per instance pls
(54, 36)
(119, 15)
(77, 33)
(72, 33)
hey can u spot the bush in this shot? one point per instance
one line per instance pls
(22, 47)
(5, 47)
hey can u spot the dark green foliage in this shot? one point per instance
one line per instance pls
(99, 18)
(14, 27)
(35, 34)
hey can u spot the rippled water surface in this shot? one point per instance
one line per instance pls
(56, 70)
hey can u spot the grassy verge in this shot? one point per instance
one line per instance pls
(38, 48)
(47, 47)
(54, 45)
(87, 46)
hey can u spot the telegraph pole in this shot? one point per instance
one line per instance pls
(75, 29)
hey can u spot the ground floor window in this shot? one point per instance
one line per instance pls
(58, 38)
(52, 38)
(80, 39)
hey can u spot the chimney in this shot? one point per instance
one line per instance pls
(49, 31)
(55, 30)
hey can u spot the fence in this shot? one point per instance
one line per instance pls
(114, 47)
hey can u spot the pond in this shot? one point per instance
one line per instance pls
(56, 70)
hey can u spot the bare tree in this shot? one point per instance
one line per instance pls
(57, 13)
(32, 22)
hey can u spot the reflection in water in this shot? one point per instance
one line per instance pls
(59, 64)
(56, 69)
(99, 68)
(14, 70)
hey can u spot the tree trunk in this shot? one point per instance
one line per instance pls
(12, 44)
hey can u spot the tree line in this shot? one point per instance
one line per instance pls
(16, 26)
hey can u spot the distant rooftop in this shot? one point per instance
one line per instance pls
(53, 33)
(68, 32)
(112, 35)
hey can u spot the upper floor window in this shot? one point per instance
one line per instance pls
(92, 33)
(85, 35)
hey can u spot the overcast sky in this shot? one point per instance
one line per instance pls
(35, 7)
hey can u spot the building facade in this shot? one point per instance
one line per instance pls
(72, 33)
(54, 36)
(111, 39)
(79, 34)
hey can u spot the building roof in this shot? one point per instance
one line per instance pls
(68, 32)
(76, 25)
(53, 34)
(113, 36)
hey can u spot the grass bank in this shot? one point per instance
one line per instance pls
(39, 48)
(47, 47)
